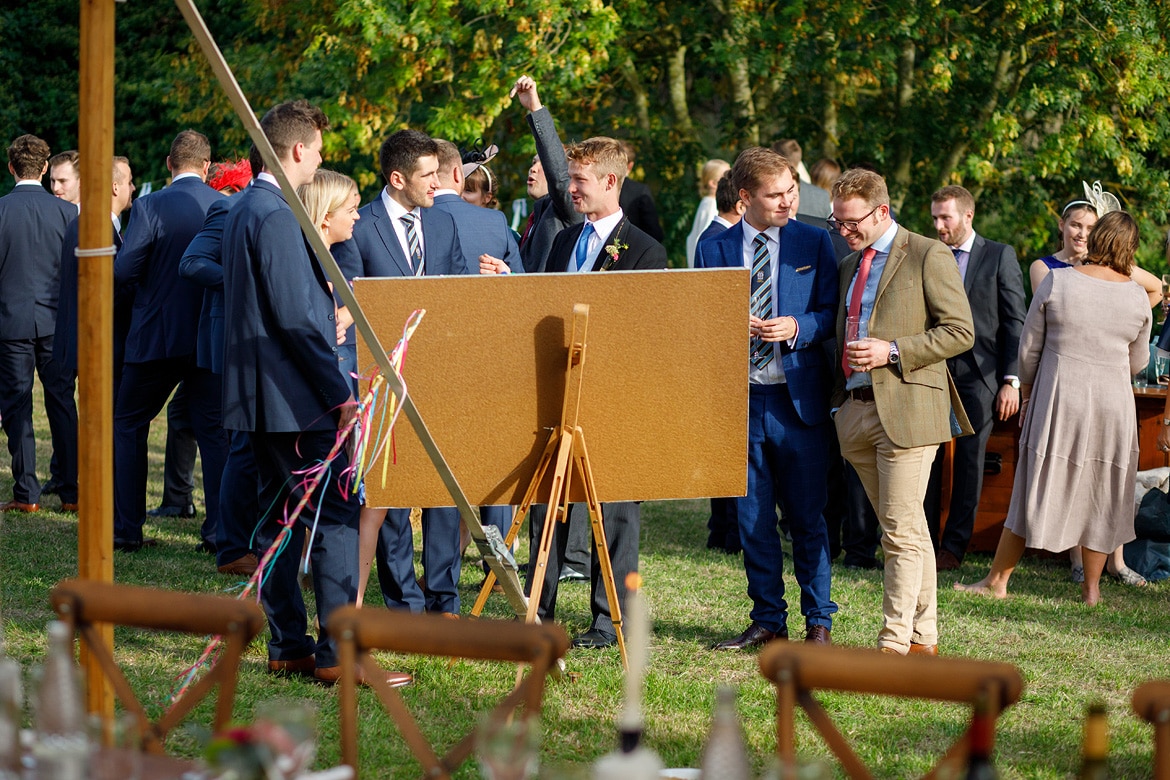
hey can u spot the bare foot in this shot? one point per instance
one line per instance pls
(1091, 597)
(983, 589)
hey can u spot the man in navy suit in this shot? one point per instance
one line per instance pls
(281, 385)
(32, 230)
(482, 231)
(792, 310)
(160, 346)
(605, 241)
(399, 234)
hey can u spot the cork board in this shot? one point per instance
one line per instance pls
(664, 397)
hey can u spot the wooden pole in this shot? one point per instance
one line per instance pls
(95, 352)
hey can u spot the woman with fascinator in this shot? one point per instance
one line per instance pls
(1086, 334)
(1076, 222)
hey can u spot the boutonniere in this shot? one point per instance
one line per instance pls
(614, 250)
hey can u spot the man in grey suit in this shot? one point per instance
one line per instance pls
(32, 229)
(548, 182)
(985, 375)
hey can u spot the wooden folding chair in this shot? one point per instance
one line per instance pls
(84, 604)
(798, 669)
(1151, 702)
(357, 631)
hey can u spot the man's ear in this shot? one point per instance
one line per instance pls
(396, 180)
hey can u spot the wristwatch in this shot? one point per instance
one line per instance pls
(1164, 421)
(1014, 382)
(895, 356)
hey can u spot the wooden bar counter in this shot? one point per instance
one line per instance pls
(1005, 441)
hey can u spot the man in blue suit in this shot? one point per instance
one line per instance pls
(399, 234)
(792, 311)
(160, 346)
(32, 229)
(482, 231)
(281, 385)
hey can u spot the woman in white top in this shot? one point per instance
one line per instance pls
(709, 177)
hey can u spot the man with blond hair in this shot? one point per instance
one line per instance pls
(903, 302)
(792, 304)
(605, 241)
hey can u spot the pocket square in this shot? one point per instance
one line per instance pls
(803, 268)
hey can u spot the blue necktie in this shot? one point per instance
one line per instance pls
(582, 251)
(761, 304)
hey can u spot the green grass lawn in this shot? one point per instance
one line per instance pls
(1069, 655)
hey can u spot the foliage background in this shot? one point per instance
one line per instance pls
(1018, 100)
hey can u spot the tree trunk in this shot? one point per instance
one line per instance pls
(904, 150)
(677, 75)
(829, 120)
(1002, 80)
(741, 95)
(638, 92)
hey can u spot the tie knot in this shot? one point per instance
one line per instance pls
(868, 255)
(761, 240)
(588, 230)
(956, 252)
(408, 218)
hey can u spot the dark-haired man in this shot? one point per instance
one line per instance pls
(160, 345)
(399, 234)
(985, 375)
(793, 300)
(32, 229)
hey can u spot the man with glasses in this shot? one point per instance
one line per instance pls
(903, 312)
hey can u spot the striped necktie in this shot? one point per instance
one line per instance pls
(761, 351)
(416, 255)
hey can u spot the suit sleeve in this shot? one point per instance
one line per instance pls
(556, 168)
(133, 258)
(646, 215)
(819, 323)
(951, 330)
(653, 258)
(559, 253)
(1010, 283)
(280, 248)
(704, 255)
(201, 262)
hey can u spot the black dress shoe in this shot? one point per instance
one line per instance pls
(594, 639)
(755, 636)
(52, 487)
(173, 511)
(205, 547)
(133, 545)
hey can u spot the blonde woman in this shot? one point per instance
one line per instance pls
(709, 177)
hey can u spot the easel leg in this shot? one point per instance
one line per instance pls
(557, 513)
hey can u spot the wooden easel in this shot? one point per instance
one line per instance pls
(567, 455)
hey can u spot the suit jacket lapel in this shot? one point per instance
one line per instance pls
(974, 259)
(893, 260)
(615, 235)
(389, 236)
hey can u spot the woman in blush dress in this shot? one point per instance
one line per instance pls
(1076, 222)
(1086, 334)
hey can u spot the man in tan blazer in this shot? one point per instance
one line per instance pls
(896, 400)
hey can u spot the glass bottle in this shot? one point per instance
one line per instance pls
(725, 755)
(1095, 752)
(61, 748)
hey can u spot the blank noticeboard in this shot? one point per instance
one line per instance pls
(664, 396)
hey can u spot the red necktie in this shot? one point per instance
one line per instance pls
(855, 300)
(527, 228)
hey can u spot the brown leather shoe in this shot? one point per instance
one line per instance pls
(67, 507)
(820, 635)
(946, 561)
(19, 506)
(755, 636)
(244, 566)
(288, 667)
(330, 675)
(917, 649)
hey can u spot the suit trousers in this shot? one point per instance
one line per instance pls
(787, 460)
(967, 481)
(239, 501)
(145, 388)
(333, 556)
(622, 524)
(441, 559)
(895, 480)
(19, 358)
(179, 464)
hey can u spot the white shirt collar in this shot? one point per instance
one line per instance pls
(446, 192)
(968, 244)
(604, 226)
(268, 177)
(750, 233)
(188, 175)
(28, 181)
(395, 209)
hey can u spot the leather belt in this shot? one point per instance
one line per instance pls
(862, 394)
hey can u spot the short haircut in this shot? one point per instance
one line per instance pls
(27, 155)
(824, 172)
(960, 195)
(788, 147)
(864, 184)
(756, 163)
(190, 149)
(71, 157)
(605, 155)
(726, 196)
(325, 193)
(118, 171)
(1113, 241)
(292, 123)
(401, 151)
(448, 155)
(630, 151)
(711, 172)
